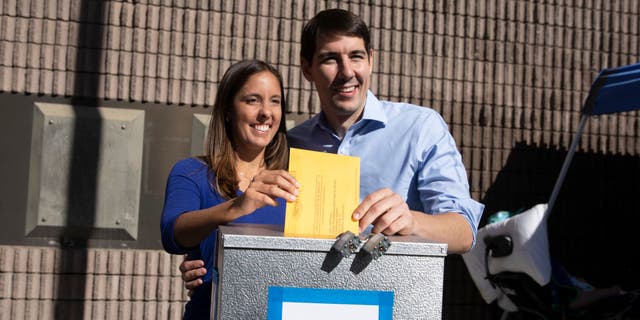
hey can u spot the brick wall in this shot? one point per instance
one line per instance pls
(53, 283)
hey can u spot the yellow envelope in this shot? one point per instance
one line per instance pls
(329, 192)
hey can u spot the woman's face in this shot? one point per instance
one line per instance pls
(256, 113)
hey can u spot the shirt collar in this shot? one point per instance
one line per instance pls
(373, 111)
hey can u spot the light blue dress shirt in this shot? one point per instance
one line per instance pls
(404, 147)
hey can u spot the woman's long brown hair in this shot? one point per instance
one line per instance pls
(219, 152)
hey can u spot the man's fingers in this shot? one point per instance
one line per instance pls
(386, 211)
(396, 221)
(191, 285)
(376, 204)
(192, 275)
(369, 201)
(187, 265)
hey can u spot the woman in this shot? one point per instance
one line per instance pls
(241, 178)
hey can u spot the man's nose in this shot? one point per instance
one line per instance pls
(346, 69)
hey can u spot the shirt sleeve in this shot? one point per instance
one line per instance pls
(181, 195)
(442, 180)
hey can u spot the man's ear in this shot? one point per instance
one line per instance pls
(306, 68)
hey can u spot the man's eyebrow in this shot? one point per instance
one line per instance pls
(327, 54)
(332, 53)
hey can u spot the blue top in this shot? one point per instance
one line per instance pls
(404, 147)
(189, 188)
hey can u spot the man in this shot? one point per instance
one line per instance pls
(412, 180)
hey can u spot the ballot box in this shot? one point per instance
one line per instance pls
(265, 275)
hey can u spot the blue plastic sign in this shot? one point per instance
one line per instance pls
(287, 303)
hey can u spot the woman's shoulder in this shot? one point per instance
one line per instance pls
(189, 166)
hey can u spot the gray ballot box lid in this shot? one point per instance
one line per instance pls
(252, 259)
(257, 236)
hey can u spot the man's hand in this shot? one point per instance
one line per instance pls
(387, 211)
(390, 215)
(192, 272)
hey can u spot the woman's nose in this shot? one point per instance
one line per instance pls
(265, 111)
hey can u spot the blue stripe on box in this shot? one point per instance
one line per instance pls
(279, 295)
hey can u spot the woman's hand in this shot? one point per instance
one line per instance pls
(264, 188)
(191, 227)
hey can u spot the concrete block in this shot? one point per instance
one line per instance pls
(7, 254)
(157, 41)
(19, 54)
(98, 310)
(162, 88)
(163, 288)
(124, 310)
(190, 20)
(138, 288)
(178, 19)
(47, 286)
(143, 15)
(138, 64)
(8, 7)
(32, 291)
(200, 69)
(46, 309)
(23, 8)
(199, 93)
(150, 310)
(125, 287)
(18, 309)
(125, 64)
(139, 263)
(140, 40)
(162, 311)
(98, 258)
(111, 309)
(175, 262)
(6, 83)
(62, 32)
(19, 286)
(177, 43)
(151, 66)
(164, 266)
(32, 81)
(113, 37)
(21, 259)
(153, 16)
(165, 42)
(114, 10)
(128, 262)
(177, 291)
(100, 287)
(174, 91)
(127, 13)
(176, 309)
(149, 89)
(152, 262)
(200, 45)
(6, 286)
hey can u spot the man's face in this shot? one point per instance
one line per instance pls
(341, 72)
